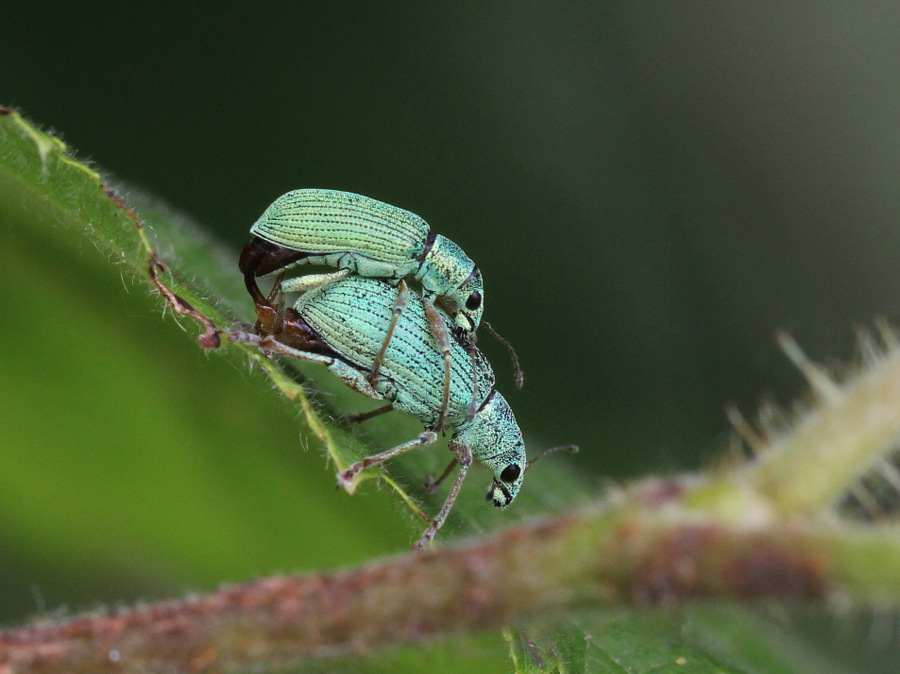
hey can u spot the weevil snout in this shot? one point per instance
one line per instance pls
(504, 491)
(466, 321)
(499, 494)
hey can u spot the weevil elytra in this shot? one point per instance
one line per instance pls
(345, 323)
(361, 235)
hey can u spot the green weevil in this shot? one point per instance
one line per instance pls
(361, 235)
(343, 324)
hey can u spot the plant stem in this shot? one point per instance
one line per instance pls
(598, 556)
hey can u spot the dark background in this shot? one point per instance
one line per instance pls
(650, 189)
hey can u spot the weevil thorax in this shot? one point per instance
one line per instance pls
(447, 272)
(496, 440)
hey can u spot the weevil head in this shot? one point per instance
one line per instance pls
(495, 439)
(471, 295)
(448, 275)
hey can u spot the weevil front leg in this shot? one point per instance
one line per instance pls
(345, 478)
(442, 337)
(302, 284)
(464, 456)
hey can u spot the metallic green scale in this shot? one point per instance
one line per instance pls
(346, 230)
(352, 316)
(371, 238)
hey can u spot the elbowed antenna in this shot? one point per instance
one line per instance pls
(569, 448)
(517, 370)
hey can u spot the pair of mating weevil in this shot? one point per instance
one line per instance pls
(370, 329)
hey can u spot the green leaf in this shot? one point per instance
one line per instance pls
(126, 447)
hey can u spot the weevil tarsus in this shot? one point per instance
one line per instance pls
(345, 477)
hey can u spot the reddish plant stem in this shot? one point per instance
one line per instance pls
(591, 557)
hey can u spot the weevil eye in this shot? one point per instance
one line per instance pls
(474, 301)
(510, 473)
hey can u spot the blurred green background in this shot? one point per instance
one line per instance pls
(651, 190)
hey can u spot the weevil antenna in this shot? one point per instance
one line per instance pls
(517, 370)
(568, 448)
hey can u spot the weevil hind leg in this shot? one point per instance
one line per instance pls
(464, 457)
(400, 305)
(345, 478)
(442, 337)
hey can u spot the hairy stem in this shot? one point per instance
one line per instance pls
(852, 425)
(631, 553)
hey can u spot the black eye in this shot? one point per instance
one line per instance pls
(510, 473)
(474, 301)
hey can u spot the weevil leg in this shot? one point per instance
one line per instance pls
(354, 379)
(399, 306)
(345, 478)
(346, 372)
(365, 416)
(302, 284)
(432, 484)
(464, 456)
(439, 332)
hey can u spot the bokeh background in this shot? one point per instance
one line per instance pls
(651, 190)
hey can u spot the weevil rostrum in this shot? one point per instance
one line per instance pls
(361, 235)
(343, 325)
